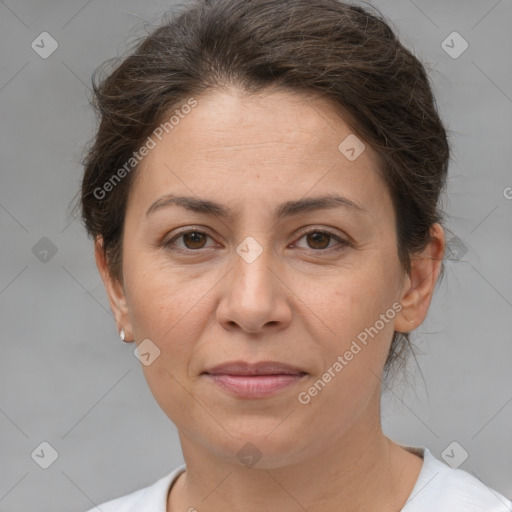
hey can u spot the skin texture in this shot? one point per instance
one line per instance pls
(252, 153)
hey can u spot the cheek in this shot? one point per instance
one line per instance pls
(355, 299)
(163, 300)
(171, 308)
(354, 347)
(171, 315)
(358, 309)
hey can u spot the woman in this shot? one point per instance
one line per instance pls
(263, 195)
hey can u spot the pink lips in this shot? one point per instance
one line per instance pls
(257, 380)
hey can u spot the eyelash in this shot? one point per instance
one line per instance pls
(342, 243)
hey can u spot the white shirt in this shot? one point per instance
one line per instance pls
(439, 488)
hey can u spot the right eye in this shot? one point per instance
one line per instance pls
(193, 241)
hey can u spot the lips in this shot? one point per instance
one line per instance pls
(257, 380)
(242, 368)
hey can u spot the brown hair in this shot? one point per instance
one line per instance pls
(343, 53)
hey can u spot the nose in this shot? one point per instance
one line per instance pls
(255, 297)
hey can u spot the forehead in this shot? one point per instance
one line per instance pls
(237, 121)
(277, 142)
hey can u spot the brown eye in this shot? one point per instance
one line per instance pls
(193, 240)
(318, 240)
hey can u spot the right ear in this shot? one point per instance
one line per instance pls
(114, 291)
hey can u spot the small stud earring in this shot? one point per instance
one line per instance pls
(122, 335)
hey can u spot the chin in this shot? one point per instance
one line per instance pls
(260, 445)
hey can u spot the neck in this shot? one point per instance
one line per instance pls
(359, 470)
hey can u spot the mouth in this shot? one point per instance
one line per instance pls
(257, 380)
(242, 368)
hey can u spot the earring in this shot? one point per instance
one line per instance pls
(122, 335)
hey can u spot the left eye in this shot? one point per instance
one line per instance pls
(320, 240)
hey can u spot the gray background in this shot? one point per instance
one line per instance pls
(67, 379)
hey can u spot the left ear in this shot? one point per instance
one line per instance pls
(419, 284)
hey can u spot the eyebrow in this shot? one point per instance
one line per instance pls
(286, 209)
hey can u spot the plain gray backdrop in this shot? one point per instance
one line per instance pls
(65, 377)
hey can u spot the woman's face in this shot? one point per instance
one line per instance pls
(298, 288)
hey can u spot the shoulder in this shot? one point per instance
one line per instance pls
(149, 499)
(445, 489)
